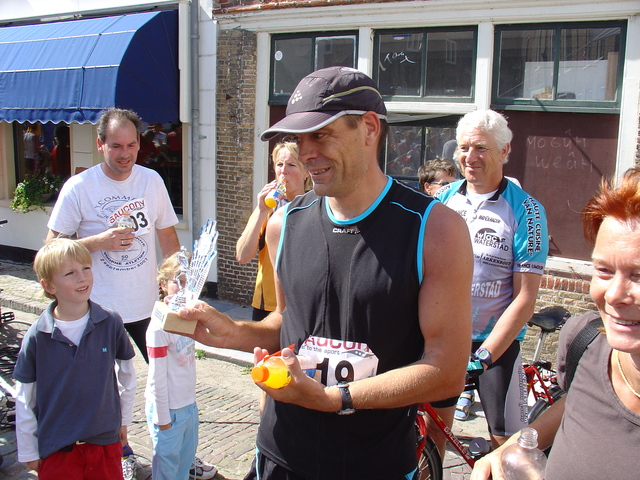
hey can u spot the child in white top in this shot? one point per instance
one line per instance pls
(172, 414)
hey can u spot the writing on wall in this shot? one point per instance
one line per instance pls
(559, 152)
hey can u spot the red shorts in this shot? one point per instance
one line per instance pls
(84, 462)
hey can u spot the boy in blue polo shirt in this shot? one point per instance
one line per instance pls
(70, 417)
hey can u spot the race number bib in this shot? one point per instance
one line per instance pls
(139, 212)
(339, 360)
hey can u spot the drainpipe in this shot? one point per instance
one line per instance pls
(195, 120)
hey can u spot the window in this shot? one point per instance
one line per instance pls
(410, 145)
(577, 65)
(294, 57)
(432, 64)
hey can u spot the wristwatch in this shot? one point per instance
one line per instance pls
(484, 356)
(347, 403)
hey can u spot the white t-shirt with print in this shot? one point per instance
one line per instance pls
(88, 204)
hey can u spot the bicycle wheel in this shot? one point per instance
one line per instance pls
(429, 462)
(542, 404)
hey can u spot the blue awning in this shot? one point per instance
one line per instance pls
(71, 71)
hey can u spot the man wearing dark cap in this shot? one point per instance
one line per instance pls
(376, 280)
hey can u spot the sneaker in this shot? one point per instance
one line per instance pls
(201, 470)
(129, 467)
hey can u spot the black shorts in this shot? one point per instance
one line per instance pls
(503, 392)
(263, 468)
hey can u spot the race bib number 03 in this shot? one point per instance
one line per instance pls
(139, 212)
(339, 360)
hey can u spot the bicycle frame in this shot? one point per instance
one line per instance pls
(425, 408)
(537, 384)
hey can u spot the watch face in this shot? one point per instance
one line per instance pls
(483, 354)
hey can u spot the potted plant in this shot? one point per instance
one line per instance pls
(33, 191)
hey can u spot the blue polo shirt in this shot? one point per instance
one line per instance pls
(76, 388)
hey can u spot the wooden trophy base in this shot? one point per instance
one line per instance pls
(170, 321)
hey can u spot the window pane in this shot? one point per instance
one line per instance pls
(589, 63)
(526, 64)
(161, 150)
(404, 151)
(336, 52)
(292, 62)
(400, 64)
(42, 148)
(449, 64)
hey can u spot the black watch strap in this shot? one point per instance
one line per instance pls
(347, 402)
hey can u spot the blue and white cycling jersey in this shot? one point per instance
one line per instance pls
(509, 234)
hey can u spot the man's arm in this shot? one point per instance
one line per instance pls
(445, 321)
(517, 314)
(111, 239)
(218, 330)
(168, 240)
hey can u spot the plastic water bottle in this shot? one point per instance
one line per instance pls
(524, 460)
(273, 372)
(126, 221)
(276, 196)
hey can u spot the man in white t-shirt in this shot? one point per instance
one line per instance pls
(92, 203)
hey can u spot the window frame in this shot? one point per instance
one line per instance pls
(557, 105)
(425, 32)
(282, 99)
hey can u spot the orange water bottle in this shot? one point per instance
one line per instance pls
(273, 372)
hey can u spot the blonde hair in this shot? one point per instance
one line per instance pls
(50, 257)
(167, 272)
(292, 147)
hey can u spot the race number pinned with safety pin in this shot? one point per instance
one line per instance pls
(340, 360)
(138, 210)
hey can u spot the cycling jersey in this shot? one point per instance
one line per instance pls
(509, 234)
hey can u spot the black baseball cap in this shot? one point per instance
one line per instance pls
(324, 96)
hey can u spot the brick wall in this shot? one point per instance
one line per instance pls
(236, 87)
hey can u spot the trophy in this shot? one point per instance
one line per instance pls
(190, 279)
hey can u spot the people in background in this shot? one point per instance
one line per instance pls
(61, 152)
(508, 230)
(435, 174)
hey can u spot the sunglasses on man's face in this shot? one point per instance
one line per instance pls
(442, 184)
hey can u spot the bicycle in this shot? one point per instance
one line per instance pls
(541, 378)
(429, 461)
(541, 384)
